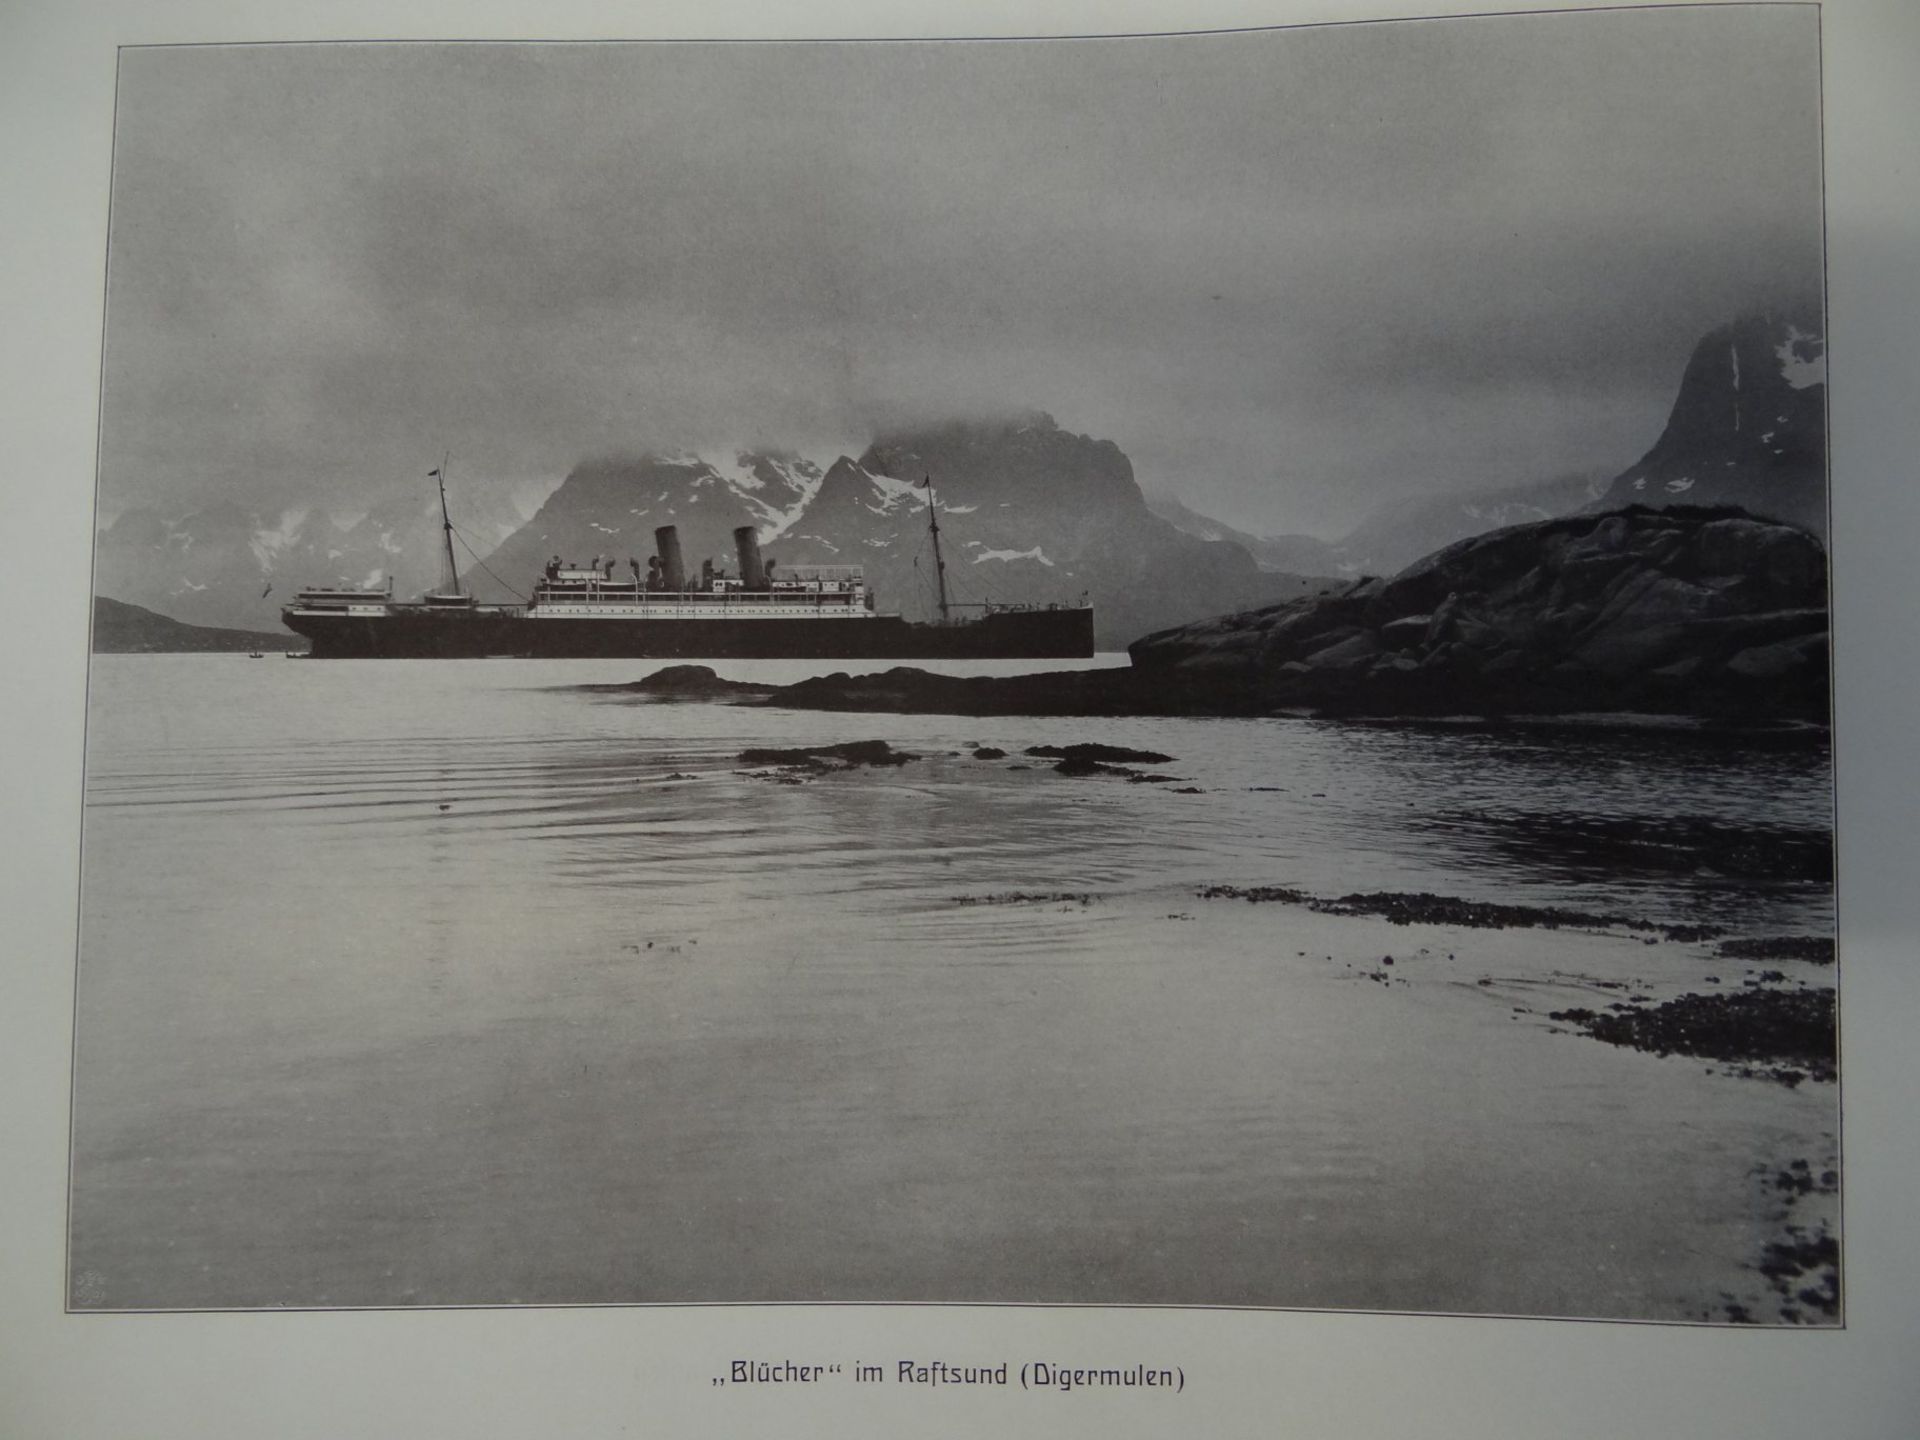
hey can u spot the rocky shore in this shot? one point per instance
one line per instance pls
(1706, 612)
(1703, 613)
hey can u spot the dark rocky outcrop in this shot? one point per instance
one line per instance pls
(683, 682)
(1683, 611)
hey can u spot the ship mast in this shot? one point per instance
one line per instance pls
(939, 565)
(446, 526)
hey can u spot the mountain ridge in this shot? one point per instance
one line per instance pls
(1029, 511)
(120, 628)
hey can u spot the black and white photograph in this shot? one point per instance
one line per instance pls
(1156, 670)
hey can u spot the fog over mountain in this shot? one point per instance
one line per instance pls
(1031, 513)
(1291, 275)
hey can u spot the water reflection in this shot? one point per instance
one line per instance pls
(477, 989)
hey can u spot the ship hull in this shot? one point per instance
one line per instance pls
(1053, 634)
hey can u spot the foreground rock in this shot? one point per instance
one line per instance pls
(1705, 612)
(845, 756)
(685, 682)
(1102, 754)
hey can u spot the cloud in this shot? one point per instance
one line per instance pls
(1292, 273)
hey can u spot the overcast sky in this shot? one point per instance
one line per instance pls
(1291, 273)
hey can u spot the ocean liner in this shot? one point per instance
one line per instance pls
(802, 612)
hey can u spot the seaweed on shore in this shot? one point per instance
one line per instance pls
(1256, 894)
(1426, 908)
(1814, 949)
(1788, 1035)
(1804, 1255)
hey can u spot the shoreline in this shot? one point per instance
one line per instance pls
(1126, 693)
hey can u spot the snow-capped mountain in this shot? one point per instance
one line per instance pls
(610, 507)
(1028, 513)
(1748, 427)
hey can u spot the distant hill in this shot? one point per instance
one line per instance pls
(123, 629)
(1398, 532)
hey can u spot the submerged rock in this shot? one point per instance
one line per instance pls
(693, 682)
(822, 757)
(1109, 754)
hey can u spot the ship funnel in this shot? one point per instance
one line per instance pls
(673, 570)
(753, 573)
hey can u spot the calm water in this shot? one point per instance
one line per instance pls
(444, 983)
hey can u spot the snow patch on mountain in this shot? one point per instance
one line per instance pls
(745, 473)
(1797, 369)
(737, 471)
(893, 493)
(1036, 553)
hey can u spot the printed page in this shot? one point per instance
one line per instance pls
(1093, 721)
